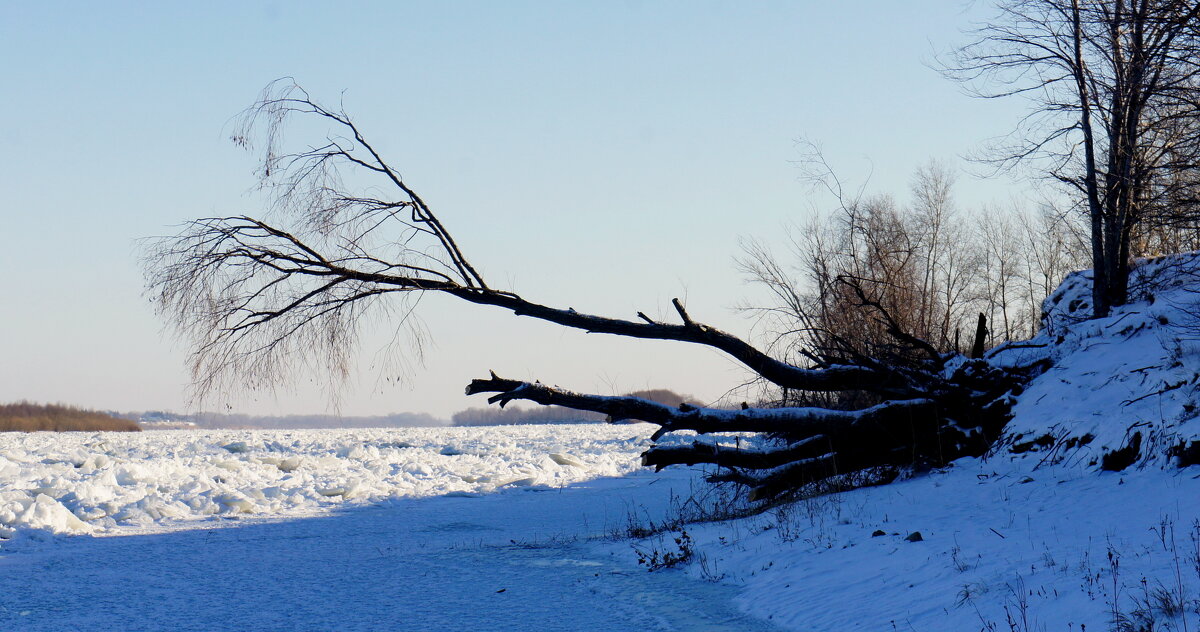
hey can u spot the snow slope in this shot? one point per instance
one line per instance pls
(1135, 372)
(994, 544)
(1037, 535)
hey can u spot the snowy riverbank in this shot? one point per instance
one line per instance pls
(999, 541)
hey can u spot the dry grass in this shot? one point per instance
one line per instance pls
(28, 417)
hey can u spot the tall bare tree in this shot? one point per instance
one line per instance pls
(1114, 114)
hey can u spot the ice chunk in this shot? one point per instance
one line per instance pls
(519, 482)
(46, 513)
(129, 475)
(289, 464)
(566, 459)
(346, 492)
(53, 492)
(233, 502)
(94, 462)
(351, 452)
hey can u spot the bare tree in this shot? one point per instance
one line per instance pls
(1051, 246)
(1114, 93)
(1001, 275)
(919, 263)
(257, 298)
(933, 268)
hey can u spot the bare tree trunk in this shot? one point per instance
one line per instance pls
(1100, 279)
(981, 332)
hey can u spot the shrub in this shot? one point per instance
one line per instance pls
(29, 417)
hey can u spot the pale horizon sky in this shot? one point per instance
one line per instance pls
(604, 156)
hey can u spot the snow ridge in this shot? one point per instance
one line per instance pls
(1131, 379)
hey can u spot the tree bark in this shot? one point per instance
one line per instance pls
(829, 378)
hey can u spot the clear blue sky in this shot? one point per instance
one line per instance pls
(600, 155)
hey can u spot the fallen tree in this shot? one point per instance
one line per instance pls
(254, 296)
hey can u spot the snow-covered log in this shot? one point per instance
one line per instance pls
(961, 413)
(695, 418)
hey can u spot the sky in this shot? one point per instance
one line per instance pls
(606, 156)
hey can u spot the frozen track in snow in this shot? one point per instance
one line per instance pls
(504, 561)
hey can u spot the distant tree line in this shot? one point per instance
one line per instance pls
(29, 417)
(284, 422)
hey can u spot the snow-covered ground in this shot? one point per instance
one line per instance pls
(995, 546)
(1000, 538)
(516, 528)
(1036, 536)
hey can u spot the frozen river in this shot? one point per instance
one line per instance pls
(460, 529)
